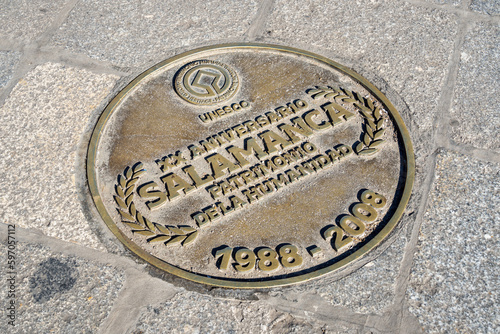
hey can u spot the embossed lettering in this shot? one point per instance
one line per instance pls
(174, 183)
(146, 190)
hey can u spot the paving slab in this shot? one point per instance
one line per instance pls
(454, 282)
(27, 20)
(455, 3)
(41, 124)
(131, 33)
(57, 293)
(474, 115)
(8, 62)
(386, 39)
(490, 7)
(191, 312)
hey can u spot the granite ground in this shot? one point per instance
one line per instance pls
(61, 62)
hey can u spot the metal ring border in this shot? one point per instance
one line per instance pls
(266, 283)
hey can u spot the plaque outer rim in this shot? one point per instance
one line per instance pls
(264, 283)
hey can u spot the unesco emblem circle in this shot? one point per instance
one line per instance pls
(250, 166)
(206, 82)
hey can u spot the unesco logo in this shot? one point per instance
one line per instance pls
(206, 82)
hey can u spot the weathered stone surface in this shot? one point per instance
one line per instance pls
(26, 20)
(386, 39)
(454, 281)
(41, 123)
(445, 2)
(475, 119)
(128, 34)
(190, 312)
(8, 61)
(490, 7)
(59, 294)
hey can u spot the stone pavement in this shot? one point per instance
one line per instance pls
(61, 61)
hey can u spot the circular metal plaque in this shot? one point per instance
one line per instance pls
(250, 165)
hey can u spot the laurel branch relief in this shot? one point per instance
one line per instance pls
(371, 138)
(130, 216)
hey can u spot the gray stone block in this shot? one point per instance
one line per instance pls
(59, 294)
(445, 2)
(41, 124)
(8, 61)
(454, 282)
(190, 312)
(475, 119)
(26, 20)
(490, 7)
(138, 33)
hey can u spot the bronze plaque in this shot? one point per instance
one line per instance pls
(250, 165)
